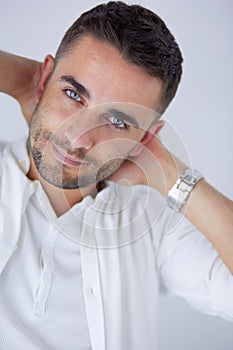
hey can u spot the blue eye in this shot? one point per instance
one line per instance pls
(118, 123)
(73, 95)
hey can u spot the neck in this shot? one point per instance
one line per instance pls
(61, 199)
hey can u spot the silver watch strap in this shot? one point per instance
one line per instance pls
(178, 194)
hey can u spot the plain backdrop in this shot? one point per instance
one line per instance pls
(201, 113)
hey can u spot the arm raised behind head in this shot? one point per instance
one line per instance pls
(19, 77)
(210, 211)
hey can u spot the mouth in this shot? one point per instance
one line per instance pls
(65, 158)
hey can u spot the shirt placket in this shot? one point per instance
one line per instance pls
(47, 271)
(92, 292)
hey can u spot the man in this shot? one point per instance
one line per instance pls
(93, 111)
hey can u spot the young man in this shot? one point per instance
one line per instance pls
(82, 259)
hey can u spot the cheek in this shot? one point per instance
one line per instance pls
(111, 150)
(56, 109)
(47, 119)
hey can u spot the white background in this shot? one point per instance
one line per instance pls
(201, 113)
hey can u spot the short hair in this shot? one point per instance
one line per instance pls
(140, 36)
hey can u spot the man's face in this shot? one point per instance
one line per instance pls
(93, 112)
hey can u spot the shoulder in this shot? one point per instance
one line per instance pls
(123, 214)
(14, 155)
(131, 199)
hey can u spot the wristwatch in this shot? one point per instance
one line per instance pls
(178, 194)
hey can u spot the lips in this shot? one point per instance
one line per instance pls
(64, 158)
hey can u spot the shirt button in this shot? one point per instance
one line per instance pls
(92, 291)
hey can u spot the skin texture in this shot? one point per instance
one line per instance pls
(20, 77)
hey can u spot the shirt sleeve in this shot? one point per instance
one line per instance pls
(191, 268)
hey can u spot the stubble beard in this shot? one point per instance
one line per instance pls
(58, 173)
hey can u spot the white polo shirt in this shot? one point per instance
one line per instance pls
(90, 279)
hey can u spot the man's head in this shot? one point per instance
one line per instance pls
(139, 35)
(115, 67)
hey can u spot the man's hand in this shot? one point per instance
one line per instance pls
(19, 78)
(155, 167)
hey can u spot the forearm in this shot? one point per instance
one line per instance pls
(212, 214)
(15, 74)
(206, 208)
(19, 77)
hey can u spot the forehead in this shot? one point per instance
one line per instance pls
(108, 77)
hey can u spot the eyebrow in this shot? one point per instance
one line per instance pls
(79, 87)
(126, 117)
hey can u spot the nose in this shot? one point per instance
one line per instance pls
(79, 133)
(78, 139)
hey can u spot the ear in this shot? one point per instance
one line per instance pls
(47, 68)
(153, 131)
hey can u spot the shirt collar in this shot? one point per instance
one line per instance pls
(20, 152)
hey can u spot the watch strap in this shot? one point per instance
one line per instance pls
(179, 193)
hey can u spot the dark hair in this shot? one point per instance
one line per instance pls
(139, 35)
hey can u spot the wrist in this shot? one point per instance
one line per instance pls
(171, 169)
(181, 190)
